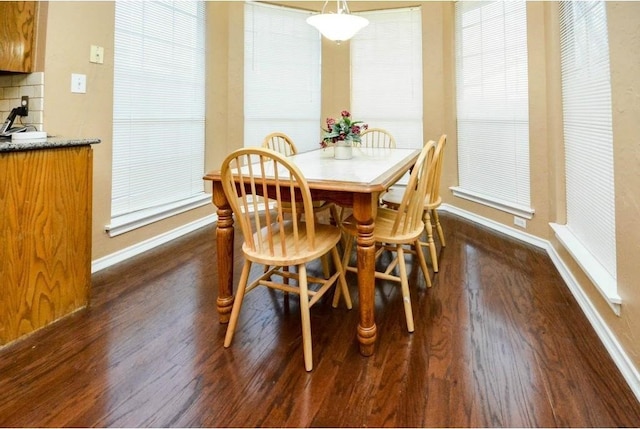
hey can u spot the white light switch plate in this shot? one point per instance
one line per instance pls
(78, 83)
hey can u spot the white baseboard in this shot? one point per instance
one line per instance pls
(496, 226)
(136, 249)
(609, 340)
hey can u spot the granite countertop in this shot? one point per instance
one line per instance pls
(6, 145)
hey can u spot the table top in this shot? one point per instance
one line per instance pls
(370, 169)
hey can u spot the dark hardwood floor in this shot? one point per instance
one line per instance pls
(499, 342)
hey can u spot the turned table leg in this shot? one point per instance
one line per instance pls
(363, 210)
(224, 240)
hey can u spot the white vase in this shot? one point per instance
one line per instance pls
(343, 150)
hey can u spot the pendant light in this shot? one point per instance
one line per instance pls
(338, 26)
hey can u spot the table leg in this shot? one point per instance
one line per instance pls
(224, 241)
(363, 211)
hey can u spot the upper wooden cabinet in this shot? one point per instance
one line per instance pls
(18, 35)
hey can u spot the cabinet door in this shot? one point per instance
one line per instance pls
(45, 237)
(17, 35)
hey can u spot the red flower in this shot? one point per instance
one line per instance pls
(345, 114)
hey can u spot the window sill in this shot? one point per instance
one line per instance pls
(599, 276)
(131, 221)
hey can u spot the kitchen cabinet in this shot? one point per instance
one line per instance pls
(18, 22)
(45, 236)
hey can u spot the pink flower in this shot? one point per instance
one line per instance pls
(345, 128)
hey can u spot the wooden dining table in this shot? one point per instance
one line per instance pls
(356, 183)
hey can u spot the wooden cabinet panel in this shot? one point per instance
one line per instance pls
(17, 35)
(45, 227)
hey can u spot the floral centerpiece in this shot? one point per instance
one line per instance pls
(345, 130)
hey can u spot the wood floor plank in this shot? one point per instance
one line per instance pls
(499, 341)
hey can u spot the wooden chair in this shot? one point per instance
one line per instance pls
(377, 137)
(395, 228)
(276, 241)
(282, 143)
(432, 201)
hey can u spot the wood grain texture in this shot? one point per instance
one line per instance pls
(499, 342)
(45, 253)
(17, 35)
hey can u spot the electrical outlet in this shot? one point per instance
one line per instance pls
(518, 221)
(24, 106)
(96, 54)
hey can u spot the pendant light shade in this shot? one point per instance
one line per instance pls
(339, 26)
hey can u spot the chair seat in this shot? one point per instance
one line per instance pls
(393, 198)
(326, 237)
(383, 228)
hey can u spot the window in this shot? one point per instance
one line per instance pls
(492, 105)
(282, 76)
(386, 74)
(158, 111)
(589, 233)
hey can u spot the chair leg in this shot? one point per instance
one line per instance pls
(342, 286)
(286, 281)
(337, 219)
(306, 318)
(439, 228)
(326, 271)
(406, 297)
(347, 251)
(237, 303)
(345, 263)
(423, 262)
(432, 246)
(335, 216)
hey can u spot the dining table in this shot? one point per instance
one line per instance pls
(355, 183)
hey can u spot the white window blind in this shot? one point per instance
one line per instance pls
(386, 74)
(588, 138)
(158, 111)
(281, 76)
(492, 105)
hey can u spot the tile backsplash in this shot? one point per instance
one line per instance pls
(13, 87)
